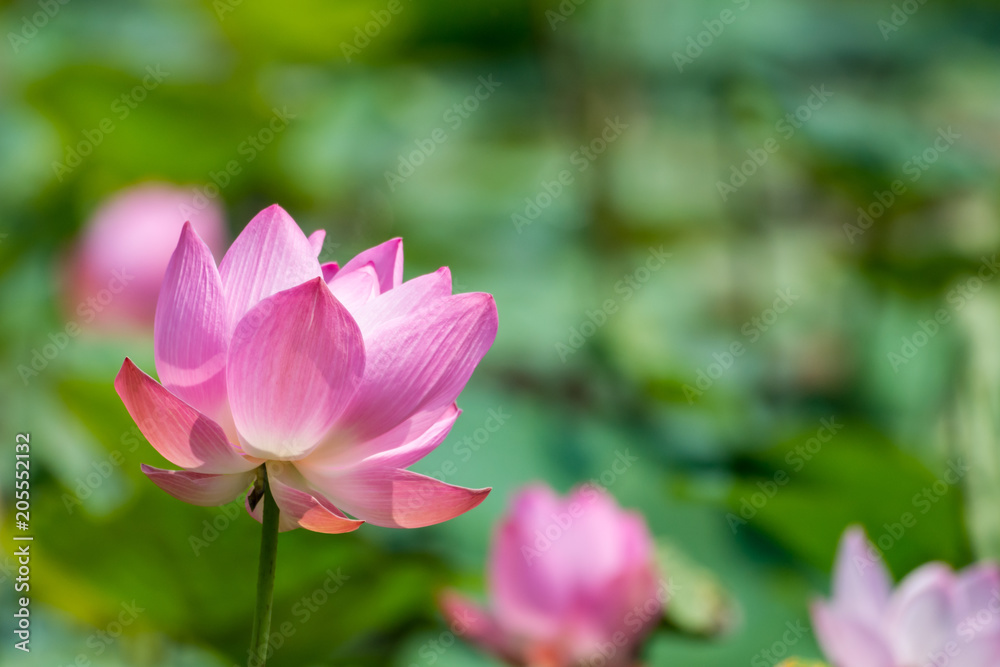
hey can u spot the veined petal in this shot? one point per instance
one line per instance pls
(199, 488)
(270, 255)
(355, 288)
(395, 498)
(295, 362)
(316, 241)
(190, 332)
(301, 506)
(387, 259)
(401, 447)
(404, 300)
(420, 362)
(184, 436)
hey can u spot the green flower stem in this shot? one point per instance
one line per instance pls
(265, 575)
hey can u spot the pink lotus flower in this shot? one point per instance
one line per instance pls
(116, 270)
(935, 616)
(336, 379)
(572, 582)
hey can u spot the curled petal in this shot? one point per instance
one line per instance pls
(355, 288)
(395, 498)
(407, 299)
(300, 506)
(295, 362)
(184, 436)
(190, 332)
(399, 448)
(285, 521)
(270, 255)
(387, 259)
(421, 362)
(200, 488)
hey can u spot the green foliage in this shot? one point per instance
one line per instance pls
(582, 381)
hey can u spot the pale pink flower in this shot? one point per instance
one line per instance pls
(337, 379)
(934, 617)
(115, 271)
(572, 583)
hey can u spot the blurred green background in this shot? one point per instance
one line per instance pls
(746, 137)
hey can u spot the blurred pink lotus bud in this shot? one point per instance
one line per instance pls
(934, 617)
(118, 265)
(572, 582)
(337, 379)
